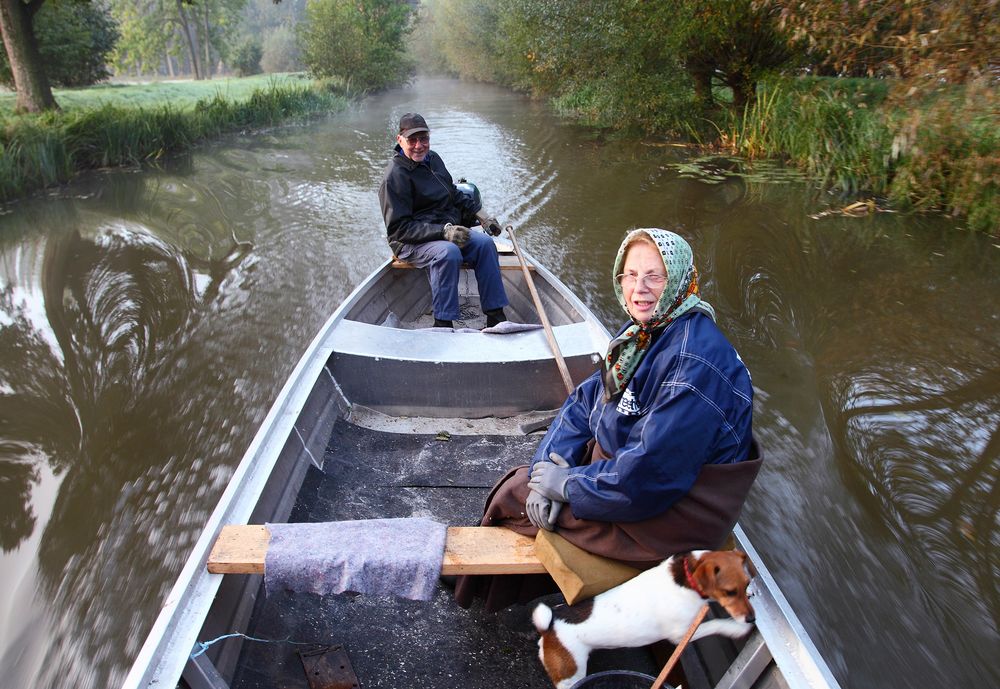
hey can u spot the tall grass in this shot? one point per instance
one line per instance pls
(837, 135)
(38, 151)
(940, 154)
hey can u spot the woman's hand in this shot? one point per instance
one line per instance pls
(549, 478)
(542, 512)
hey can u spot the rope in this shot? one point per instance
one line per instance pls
(203, 646)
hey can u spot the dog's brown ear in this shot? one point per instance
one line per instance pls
(704, 574)
(748, 563)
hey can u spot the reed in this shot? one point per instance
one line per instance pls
(838, 135)
(39, 151)
(942, 153)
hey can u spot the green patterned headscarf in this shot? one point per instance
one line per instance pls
(680, 295)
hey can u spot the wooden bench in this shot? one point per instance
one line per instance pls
(241, 549)
(506, 263)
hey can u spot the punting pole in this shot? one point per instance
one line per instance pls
(549, 335)
(675, 656)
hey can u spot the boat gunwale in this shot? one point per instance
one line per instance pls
(175, 631)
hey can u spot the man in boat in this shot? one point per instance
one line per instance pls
(649, 457)
(427, 220)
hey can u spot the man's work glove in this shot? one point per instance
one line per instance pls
(492, 227)
(549, 478)
(489, 223)
(542, 512)
(456, 234)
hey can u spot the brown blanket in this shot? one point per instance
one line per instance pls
(702, 519)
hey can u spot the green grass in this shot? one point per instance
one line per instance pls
(181, 94)
(128, 125)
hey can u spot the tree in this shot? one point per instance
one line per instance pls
(361, 42)
(245, 58)
(734, 41)
(281, 51)
(74, 40)
(155, 31)
(17, 22)
(930, 41)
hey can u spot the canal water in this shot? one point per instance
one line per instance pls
(148, 319)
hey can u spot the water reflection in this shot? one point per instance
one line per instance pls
(871, 349)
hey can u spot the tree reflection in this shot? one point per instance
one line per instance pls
(95, 398)
(872, 346)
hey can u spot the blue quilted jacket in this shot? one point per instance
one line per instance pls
(690, 403)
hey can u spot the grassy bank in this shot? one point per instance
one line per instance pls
(938, 153)
(942, 153)
(111, 126)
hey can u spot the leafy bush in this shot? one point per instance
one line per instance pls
(245, 57)
(361, 42)
(75, 40)
(949, 156)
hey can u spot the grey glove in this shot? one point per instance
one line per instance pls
(549, 478)
(492, 227)
(542, 512)
(456, 234)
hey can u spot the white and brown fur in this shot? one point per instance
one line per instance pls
(658, 604)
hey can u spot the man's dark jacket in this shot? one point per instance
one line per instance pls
(418, 199)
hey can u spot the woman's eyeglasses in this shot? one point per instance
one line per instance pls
(649, 280)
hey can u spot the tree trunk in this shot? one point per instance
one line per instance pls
(744, 91)
(207, 43)
(192, 44)
(702, 85)
(34, 93)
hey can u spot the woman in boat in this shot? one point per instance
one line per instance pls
(425, 216)
(651, 456)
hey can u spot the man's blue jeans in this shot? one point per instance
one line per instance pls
(444, 259)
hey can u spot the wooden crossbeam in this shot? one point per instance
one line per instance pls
(241, 549)
(506, 263)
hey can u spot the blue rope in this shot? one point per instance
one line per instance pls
(203, 646)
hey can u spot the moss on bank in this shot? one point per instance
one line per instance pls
(41, 150)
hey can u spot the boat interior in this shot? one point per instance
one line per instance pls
(444, 474)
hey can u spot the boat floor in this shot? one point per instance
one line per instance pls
(393, 642)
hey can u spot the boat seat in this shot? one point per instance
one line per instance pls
(506, 263)
(241, 549)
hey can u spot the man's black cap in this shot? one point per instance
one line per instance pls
(412, 123)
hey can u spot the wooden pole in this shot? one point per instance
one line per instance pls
(676, 655)
(549, 335)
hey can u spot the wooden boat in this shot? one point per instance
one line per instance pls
(384, 418)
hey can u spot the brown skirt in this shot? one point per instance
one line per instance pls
(702, 519)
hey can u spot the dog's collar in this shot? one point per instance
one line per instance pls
(690, 579)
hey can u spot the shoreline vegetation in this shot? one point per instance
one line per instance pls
(121, 125)
(850, 137)
(844, 133)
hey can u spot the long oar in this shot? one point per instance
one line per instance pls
(549, 335)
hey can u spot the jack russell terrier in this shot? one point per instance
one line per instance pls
(660, 603)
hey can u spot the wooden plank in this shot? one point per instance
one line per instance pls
(505, 264)
(241, 549)
(489, 550)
